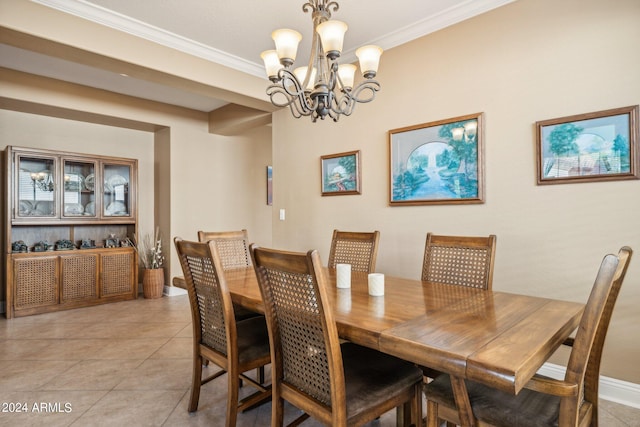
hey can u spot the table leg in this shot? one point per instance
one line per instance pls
(462, 402)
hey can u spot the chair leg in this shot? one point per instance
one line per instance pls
(416, 407)
(196, 383)
(232, 398)
(260, 374)
(432, 414)
(277, 412)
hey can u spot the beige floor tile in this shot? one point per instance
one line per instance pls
(23, 329)
(132, 408)
(71, 349)
(186, 332)
(93, 375)
(175, 348)
(615, 414)
(23, 349)
(127, 348)
(30, 375)
(159, 374)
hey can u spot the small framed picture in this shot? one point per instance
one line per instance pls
(340, 173)
(270, 185)
(437, 163)
(600, 146)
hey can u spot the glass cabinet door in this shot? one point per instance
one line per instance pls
(36, 186)
(79, 189)
(116, 200)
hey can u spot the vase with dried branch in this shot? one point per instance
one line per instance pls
(150, 253)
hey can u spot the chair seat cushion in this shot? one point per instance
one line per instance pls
(242, 313)
(253, 339)
(372, 377)
(526, 409)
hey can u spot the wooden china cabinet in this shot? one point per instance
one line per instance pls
(69, 219)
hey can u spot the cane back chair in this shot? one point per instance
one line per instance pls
(546, 401)
(233, 248)
(459, 260)
(360, 249)
(235, 347)
(336, 384)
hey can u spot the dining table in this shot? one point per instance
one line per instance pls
(493, 337)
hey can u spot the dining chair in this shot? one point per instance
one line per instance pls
(545, 401)
(360, 249)
(336, 384)
(459, 260)
(233, 247)
(235, 347)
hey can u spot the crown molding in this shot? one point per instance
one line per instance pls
(126, 24)
(102, 16)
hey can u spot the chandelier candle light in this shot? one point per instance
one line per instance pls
(323, 87)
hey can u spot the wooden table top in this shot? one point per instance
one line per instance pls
(497, 338)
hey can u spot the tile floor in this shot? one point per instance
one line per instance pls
(128, 364)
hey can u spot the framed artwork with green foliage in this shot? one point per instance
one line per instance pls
(440, 162)
(600, 146)
(340, 173)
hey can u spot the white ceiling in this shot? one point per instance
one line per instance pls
(234, 33)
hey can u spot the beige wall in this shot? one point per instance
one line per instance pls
(530, 60)
(202, 181)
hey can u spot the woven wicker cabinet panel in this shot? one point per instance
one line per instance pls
(35, 282)
(79, 277)
(117, 274)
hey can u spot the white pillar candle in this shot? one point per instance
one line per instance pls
(376, 284)
(343, 275)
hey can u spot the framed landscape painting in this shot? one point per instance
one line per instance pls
(340, 173)
(439, 162)
(600, 146)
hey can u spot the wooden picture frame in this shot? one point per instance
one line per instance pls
(437, 163)
(599, 146)
(340, 174)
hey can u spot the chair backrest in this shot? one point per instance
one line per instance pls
(360, 249)
(583, 367)
(211, 310)
(233, 247)
(305, 349)
(459, 260)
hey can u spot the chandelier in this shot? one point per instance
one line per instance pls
(324, 87)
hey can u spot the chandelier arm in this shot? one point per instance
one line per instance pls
(372, 86)
(289, 88)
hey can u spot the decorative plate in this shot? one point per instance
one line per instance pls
(73, 209)
(24, 208)
(43, 208)
(90, 208)
(89, 182)
(115, 181)
(116, 209)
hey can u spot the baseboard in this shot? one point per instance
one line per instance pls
(172, 291)
(610, 389)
